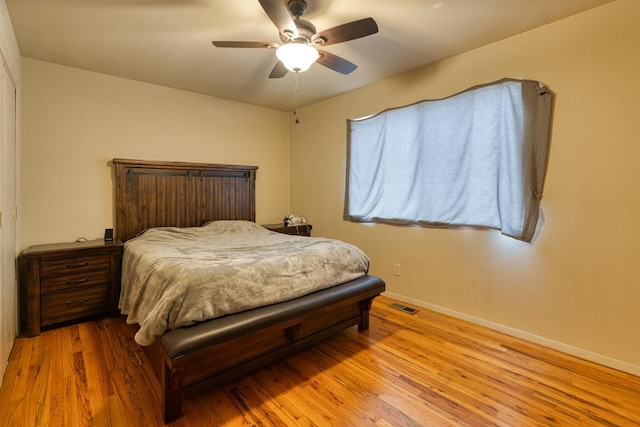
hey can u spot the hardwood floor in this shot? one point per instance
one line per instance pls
(407, 370)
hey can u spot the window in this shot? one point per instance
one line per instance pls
(477, 158)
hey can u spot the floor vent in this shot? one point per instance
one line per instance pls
(404, 308)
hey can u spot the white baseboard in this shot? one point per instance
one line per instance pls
(556, 345)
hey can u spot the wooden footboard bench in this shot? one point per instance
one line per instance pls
(192, 359)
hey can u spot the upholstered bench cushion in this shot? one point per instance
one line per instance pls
(186, 340)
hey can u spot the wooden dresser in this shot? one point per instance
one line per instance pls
(298, 230)
(68, 281)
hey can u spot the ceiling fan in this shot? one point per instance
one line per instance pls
(300, 41)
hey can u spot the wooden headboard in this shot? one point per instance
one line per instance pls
(180, 194)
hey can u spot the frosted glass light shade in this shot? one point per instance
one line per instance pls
(297, 57)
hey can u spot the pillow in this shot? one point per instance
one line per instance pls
(233, 226)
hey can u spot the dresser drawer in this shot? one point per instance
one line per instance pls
(68, 305)
(76, 280)
(67, 265)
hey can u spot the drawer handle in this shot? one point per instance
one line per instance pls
(76, 264)
(84, 279)
(78, 301)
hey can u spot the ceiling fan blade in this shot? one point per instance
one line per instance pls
(279, 15)
(345, 32)
(336, 63)
(268, 45)
(278, 71)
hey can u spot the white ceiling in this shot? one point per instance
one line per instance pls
(168, 42)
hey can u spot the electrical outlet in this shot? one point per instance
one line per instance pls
(396, 270)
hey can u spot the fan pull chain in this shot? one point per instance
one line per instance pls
(295, 96)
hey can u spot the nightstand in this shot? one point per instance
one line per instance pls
(68, 281)
(297, 230)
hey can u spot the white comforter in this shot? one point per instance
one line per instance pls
(174, 277)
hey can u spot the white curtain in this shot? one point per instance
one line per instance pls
(477, 158)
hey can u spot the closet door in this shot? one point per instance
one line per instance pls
(8, 249)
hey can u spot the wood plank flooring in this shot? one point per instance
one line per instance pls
(407, 370)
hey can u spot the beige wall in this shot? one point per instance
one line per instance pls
(75, 121)
(577, 287)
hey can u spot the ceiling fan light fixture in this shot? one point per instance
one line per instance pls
(297, 57)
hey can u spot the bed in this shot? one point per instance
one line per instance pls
(190, 357)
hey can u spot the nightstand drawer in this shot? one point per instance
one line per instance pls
(61, 306)
(295, 230)
(76, 280)
(74, 265)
